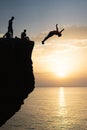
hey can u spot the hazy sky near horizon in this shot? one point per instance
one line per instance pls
(61, 61)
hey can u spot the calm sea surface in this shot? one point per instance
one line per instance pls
(52, 109)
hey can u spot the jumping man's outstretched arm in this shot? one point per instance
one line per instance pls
(57, 27)
(62, 30)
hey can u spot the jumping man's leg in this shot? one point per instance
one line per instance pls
(48, 36)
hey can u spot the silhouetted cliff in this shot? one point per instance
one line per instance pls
(16, 75)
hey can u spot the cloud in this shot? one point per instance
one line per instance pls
(80, 43)
(75, 32)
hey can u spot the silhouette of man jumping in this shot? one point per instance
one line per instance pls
(10, 28)
(54, 32)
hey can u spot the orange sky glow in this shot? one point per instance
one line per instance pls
(62, 59)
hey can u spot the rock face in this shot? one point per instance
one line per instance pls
(16, 75)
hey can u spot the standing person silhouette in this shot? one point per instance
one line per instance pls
(54, 32)
(10, 28)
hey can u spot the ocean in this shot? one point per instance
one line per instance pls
(52, 108)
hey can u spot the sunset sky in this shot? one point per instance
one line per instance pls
(60, 61)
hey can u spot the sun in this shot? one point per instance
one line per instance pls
(61, 74)
(60, 70)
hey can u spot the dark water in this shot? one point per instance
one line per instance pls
(52, 109)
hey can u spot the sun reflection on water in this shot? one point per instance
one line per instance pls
(61, 97)
(61, 102)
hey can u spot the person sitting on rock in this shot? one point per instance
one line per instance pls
(54, 32)
(23, 35)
